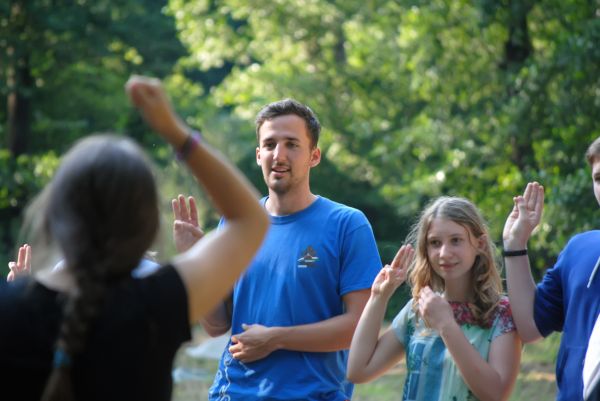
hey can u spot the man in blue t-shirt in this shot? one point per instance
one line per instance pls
(568, 297)
(294, 311)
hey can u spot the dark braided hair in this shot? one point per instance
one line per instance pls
(102, 210)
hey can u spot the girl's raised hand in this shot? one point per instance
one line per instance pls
(148, 95)
(391, 276)
(524, 217)
(435, 310)
(22, 265)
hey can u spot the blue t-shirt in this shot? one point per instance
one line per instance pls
(308, 261)
(563, 302)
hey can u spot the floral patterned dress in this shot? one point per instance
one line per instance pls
(432, 374)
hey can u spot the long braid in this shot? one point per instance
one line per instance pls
(102, 211)
(80, 312)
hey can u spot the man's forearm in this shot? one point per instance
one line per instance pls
(329, 335)
(521, 292)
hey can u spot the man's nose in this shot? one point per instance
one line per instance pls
(279, 152)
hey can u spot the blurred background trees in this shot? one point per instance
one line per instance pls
(417, 98)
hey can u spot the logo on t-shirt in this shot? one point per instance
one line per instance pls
(308, 258)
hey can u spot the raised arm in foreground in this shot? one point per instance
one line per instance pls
(211, 266)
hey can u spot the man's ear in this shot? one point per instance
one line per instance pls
(315, 157)
(258, 155)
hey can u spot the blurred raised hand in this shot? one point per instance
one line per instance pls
(23, 264)
(186, 230)
(148, 95)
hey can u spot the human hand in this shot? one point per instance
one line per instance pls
(435, 310)
(186, 230)
(22, 265)
(254, 343)
(148, 95)
(524, 217)
(392, 276)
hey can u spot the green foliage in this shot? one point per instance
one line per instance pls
(20, 180)
(420, 99)
(417, 99)
(78, 56)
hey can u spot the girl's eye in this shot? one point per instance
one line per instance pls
(456, 240)
(434, 243)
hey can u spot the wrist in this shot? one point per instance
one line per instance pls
(508, 253)
(380, 298)
(447, 327)
(175, 133)
(192, 140)
(514, 244)
(276, 338)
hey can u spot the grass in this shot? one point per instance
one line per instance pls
(536, 380)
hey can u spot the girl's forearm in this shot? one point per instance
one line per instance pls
(483, 380)
(365, 340)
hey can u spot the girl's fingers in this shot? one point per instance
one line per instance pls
(175, 207)
(183, 208)
(193, 210)
(426, 291)
(21, 257)
(398, 257)
(27, 262)
(403, 255)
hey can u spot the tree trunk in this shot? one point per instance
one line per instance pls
(20, 83)
(517, 50)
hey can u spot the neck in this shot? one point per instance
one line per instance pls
(58, 280)
(458, 291)
(283, 204)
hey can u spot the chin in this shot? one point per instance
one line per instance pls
(279, 188)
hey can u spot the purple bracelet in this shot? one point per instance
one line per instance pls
(191, 142)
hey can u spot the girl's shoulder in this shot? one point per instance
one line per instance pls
(503, 307)
(502, 317)
(464, 314)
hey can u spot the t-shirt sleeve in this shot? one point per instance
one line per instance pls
(166, 298)
(360, 258)
(400, 323)
(548, 311)
(504, 322)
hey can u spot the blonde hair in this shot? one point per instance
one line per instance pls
(486, 281)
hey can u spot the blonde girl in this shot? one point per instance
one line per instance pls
(457, 330)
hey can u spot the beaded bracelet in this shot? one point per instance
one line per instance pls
(191, 142)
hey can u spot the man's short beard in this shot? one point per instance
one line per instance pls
(279, 188)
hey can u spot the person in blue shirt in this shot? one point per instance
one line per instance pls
(567, 299)
(293, 314)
